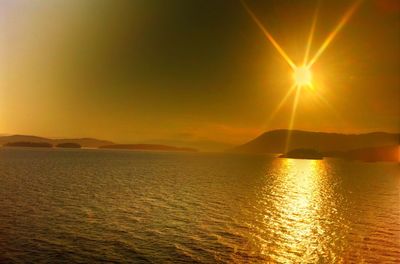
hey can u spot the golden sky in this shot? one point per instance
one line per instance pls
(197, 73)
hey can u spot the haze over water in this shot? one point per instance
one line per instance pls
(121, 206)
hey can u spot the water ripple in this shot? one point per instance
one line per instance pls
(71, 206)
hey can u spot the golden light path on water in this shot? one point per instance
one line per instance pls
(299, 207)
(302, 205)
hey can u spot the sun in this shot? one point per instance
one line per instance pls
(302, 76)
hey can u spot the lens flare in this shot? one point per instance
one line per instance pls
(302, 75)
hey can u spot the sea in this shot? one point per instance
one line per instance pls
(118, 206)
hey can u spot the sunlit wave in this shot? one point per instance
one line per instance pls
(298, 208)
(296, 220)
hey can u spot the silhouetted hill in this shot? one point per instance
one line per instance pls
(275, 141)
(84, 142)
(29, 144)
(146, 147)
(21, 138)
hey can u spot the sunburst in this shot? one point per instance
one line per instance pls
(302, 74)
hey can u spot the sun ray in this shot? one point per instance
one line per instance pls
(318, 97)
(328, 105)
(282, 102)
(342, 22)
(302, 73)
(292, 117)
(268, 35)
(311, 36)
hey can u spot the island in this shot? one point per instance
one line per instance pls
(303, 154)
(29, 144)
(68, 145)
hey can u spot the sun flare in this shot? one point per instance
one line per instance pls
(302, 76)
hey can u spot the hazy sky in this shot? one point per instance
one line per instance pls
(192, 72)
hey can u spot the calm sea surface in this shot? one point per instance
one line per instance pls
(66, 206)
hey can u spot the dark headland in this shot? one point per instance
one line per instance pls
(377, 146)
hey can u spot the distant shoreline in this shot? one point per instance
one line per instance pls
(131, 147)
(370, 147)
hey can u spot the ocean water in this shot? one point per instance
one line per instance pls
(87, 206)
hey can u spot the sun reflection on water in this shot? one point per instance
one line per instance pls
(302, 202)
(296, 211)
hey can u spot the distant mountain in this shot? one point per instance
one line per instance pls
(84, 142)
(22, 138)
(275, 141)
(19, 140)
(146, 147)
